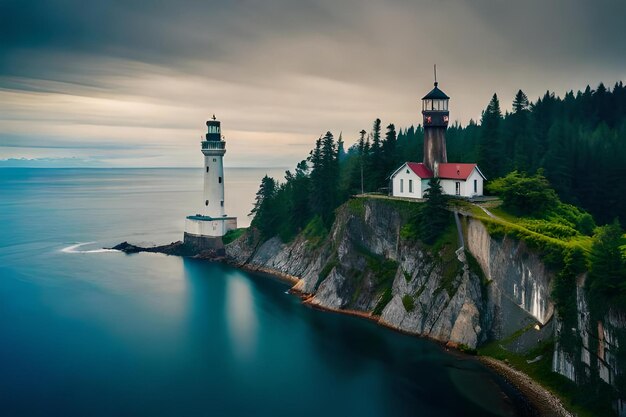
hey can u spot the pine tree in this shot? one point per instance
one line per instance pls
(363, 151)
(263, 211)
(317, 179)
(435, 217)
(490, 151)
(328, 179)
(300, 188)
(389, 157)
(607, 268)
(375, 162)
(341, 152)
(520, 102)
(520, 134)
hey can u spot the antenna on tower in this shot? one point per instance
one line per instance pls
(435, 70)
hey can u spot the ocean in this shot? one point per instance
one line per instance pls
(90, 332)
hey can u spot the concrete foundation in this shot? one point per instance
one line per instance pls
(204, 243)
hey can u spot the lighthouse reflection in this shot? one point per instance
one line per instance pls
(240, 316)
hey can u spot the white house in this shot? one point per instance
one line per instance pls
(411, 180)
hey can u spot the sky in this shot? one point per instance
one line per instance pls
(126, 83)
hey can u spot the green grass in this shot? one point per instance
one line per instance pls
(549, 238)
(233, 235)
(357, 206)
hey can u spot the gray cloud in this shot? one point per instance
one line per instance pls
(280, 72)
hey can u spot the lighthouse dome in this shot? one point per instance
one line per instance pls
(436, 94)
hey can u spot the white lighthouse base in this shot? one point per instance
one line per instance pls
(205, 233)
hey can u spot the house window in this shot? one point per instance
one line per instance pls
(207, 169)
(410, 186)
(219, 179)
(458, 188)
(206, 202)
(401, 185)
(407, 171)
(475, 186)
(222, 203)
(214, 160)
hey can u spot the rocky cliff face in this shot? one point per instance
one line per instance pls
(365, 265)
(589, 351)
(520, 283)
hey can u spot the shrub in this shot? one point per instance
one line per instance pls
(233, 235)
(408, 302)
(522, 194)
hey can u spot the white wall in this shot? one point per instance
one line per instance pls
(467, 187)
(210, 227)
(402, 175)
(448, 186)
(213, 188)
(470, 184)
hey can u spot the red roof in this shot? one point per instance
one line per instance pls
(455, 171)
(451, 170)
(420, 169)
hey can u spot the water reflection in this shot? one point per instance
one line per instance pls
(240, 316)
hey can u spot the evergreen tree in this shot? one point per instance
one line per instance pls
(435, 216)
(520, 102)
(557, 166)
(317, 178)
(363, 151)
(341, 152)
(299, 189)
(389, 157)
(325, 178)
(490, 151)
(263, 210)
(521, 148)
(607, 268)
(376, 163)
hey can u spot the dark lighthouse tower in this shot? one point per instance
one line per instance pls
(436, 116)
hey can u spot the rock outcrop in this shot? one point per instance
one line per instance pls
(365, 265)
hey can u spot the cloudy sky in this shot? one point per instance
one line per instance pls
(131, 83)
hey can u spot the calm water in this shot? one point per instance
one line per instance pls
(91, 333)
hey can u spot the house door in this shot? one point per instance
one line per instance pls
(458, 188)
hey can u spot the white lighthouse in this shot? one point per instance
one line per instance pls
(205, 229)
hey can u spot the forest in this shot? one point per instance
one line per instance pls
(577, 142)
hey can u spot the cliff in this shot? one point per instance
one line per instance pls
(370, 265)
(589, 352)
